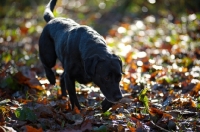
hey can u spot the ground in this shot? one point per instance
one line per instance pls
(160, 85)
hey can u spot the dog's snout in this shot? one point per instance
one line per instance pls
(118, 97)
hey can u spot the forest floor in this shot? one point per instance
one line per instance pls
(161, 84)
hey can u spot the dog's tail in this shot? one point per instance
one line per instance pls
(48, 13)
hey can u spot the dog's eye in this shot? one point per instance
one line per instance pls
(107, 78)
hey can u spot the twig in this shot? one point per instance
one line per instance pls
(159, 127)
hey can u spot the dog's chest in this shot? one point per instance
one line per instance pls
(79, 74)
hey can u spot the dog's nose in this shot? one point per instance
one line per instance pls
(118, 97)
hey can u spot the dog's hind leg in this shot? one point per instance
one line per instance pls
(47, 56)
(62, 85)
(70, 85)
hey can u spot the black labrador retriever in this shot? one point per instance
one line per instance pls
(84, 56)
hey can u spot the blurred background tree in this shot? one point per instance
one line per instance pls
(21, 21)
(101, 14)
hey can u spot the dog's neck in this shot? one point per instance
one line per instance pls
(97, 47)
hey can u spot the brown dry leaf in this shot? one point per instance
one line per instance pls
(120, 128)
(139, 116)
(155, 114)
(154, 74)
(195, 90)
(125, 25)
(28, 128)
(167, 116)
(43, 101)
(171, 92)
(135, 120)
(118, 105)
(76, 110)
(166, 46)
(129, 57)
(23, 30)
(193, 103)
(63, 104)
(113, 117)
(132, 129)
(59, 93)
(112, 32)
(154, 111)
(34, 83)
(24, 101)
(133, 67)
(21, 79)
(125, 86)
(29, 79)
(67, 105)
(187, 87)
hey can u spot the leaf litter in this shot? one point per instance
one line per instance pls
(160, 86)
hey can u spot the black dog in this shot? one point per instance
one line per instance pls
(84, 56)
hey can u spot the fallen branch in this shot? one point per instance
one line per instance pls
(159, 127)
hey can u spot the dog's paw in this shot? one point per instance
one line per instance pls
(106, 105)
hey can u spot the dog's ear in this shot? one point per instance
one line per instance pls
(91, 63)
(120, 61)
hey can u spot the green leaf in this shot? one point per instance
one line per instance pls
(25, 114)
(9, 82)
(144, 99)
(187, 61)
(6, 57)
(130, 124)
(143, 92)
(20, 114)
(168, 80)
(198, 106)
(198, 99)
(106, 114)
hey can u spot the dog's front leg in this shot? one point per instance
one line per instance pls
(70, 85)
(106, 105)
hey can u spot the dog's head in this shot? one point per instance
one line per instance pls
(106, 73)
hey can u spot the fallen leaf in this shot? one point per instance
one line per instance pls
(25, 114)
(195, 90)
(28, 79)
(21, 79)
(28, 128)
(120, 128)
(76, 110)
(155, 114)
